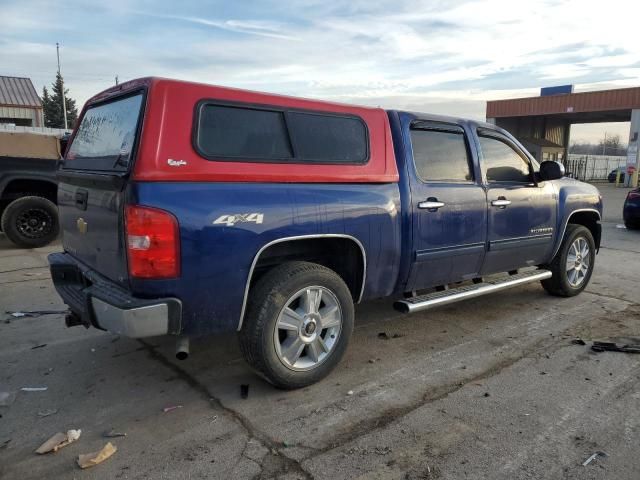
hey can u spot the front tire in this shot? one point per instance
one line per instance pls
(573, 264)
(30, 222)
(297, 325)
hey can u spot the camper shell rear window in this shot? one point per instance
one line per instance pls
(255, 133)
(107, 135)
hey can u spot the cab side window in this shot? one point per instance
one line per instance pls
(501, 163)
(440, 156)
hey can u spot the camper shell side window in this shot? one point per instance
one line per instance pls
(238, 132)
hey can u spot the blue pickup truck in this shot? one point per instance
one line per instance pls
(190, 209)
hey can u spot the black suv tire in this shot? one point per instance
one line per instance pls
(559, 284)
(30, 222)
(262, 338)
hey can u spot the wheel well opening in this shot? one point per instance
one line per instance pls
(589, 220)
(342, 255)
(24, 187)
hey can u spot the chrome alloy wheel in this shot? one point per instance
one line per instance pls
(308, 328)
(578, 262)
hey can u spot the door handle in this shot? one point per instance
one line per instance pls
(432, 204)
(501, 202)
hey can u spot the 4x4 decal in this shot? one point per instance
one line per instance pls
(231, 220)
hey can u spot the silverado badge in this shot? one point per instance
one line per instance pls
(82, 225)
(541, 230)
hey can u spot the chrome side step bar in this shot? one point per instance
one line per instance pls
(445, 297)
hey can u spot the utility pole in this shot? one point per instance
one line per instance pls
(604, 144)
(116, 79)
(64, 101)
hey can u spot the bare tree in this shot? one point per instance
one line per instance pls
(611, 145)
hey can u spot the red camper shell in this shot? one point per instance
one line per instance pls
(171, 141)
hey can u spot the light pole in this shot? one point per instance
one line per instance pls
(64, 101)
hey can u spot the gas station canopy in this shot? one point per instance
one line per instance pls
(585, 107)
(547, 119)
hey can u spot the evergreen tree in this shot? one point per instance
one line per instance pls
(52, 105)
(49, 109)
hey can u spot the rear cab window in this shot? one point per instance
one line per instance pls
(265, 134)
(106, 137)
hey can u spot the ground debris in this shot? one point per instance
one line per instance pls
(244, 391)
(386, 336)
(382, 450)
(593, 457)
(34, 389)
(7, 398)
(614, 347)
(171, 408)
(48, 412)
(113, 434)
(92, 459)
(34, 313)
(578, 341)
(58, 441)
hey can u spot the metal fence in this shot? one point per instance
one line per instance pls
(593, 167)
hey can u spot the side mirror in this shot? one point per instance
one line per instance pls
(551, 170)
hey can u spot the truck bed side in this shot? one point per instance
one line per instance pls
(221, 254)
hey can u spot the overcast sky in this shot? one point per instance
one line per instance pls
(435, 56)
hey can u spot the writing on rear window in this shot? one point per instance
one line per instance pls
(106, 135)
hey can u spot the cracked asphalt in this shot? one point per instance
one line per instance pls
(492, 388)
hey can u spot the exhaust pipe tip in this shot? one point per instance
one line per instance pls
(182, 348)
(182, 355)
(401, 307)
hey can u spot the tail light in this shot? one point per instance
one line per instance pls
(153, 242)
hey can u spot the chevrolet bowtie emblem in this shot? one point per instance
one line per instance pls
(82, 225)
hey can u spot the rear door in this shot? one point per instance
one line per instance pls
(449, 206)
(522, 213)
(93, 180)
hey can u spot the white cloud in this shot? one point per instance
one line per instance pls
(252, 27)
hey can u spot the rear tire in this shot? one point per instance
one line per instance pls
(297, 325)
(30, 222)
(573, 264)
